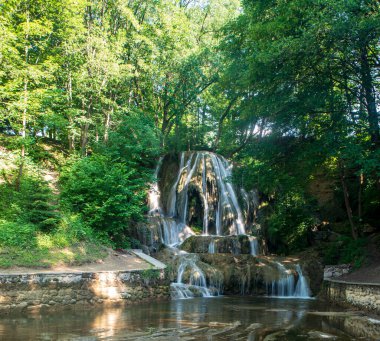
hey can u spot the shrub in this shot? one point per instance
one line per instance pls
(345, 250)
(34, 203)
(108, 196)
(290, 223)
(17, 234)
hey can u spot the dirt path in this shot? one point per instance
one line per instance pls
(370, 274)
(116, 261)
(370, 271)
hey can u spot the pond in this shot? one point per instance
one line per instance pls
(221, 318)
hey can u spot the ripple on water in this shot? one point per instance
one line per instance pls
(223, 318)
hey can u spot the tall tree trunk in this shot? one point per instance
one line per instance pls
(107, 123)
(107, 120)
(369, 93)
(361, 183)
(84, 138)
(70, 136)
(25, 109)
(354, 230)
(220, 123)
(85, 128)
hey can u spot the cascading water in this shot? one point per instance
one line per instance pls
(196, 284)
(285, 285)
(154, 192)
(302, 288)
(211, 247)
(254, 245)
(205, 176)
(193, 193)
(201, 175)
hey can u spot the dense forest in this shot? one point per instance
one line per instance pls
(92, 92)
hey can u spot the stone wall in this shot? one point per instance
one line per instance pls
(365, 296)
(30, 292)
(333, 271)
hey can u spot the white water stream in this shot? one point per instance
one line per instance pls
(208, 176)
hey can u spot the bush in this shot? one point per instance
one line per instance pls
(108, 196)
(17, 234)
(290, 223)
(345, 251)
(32, 204)
(108, 189)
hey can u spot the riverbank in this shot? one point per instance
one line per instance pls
(110, 261)
(120, 279)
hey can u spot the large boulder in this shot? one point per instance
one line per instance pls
(217, 244)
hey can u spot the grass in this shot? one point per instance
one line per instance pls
(24, 240)
(24, 245)
(44, 257)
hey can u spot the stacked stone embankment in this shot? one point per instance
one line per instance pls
(363, 296)
(31, 292)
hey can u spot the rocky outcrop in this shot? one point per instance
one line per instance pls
(334, 271)
(243, 274)
(219, 244)
(246, 274)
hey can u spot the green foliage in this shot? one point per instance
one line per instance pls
(345, 250)
(290, 223)
(22, 244)
(135, 142)
(109, 196)
(197, 229)
(288, 89)
(108, 189)
(33, 203)
(150, 274)
(17, 234)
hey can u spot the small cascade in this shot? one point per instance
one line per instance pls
(173, 191)
(211, 247)
(254, 245)
(302, 288)
(173, 233)
(205, 197)
(195, 283)
(154, 192)
(285, 285)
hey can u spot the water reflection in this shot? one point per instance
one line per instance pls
(223, 318)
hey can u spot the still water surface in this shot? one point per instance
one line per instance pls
(222, 318)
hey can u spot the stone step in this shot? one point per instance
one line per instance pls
(156, 263)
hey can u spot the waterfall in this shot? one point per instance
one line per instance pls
(196, 280)
(285, 285)
(227, 197)
(254, 244)
(202, 175)
(302, 288)
(173, 192)
(154, 192)
(199, 191)
(211, 247)
(205, 197)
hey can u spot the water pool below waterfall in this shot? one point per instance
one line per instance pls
(222, 318)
